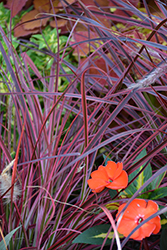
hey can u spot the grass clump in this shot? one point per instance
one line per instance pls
(71, 104)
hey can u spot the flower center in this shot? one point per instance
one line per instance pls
(139, 220)
(110, 180)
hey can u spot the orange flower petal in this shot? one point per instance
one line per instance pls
(153, 205)
(147, 229)
(100, 174)
(120, 182)
(97, 185)
(151, 208)
(157, 222)
(139, 206)
(144, 232)
(119, 169)
(137, 234)
(111, 169)
(129, 213)
(101, 168)
(135, 208)
(131, 225)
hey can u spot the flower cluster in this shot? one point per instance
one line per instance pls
(114, 177)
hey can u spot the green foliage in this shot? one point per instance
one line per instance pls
(95, 235)
(112, 193)
(48, 40)
(8, 238)
(157, 181)
(163, 239)
(5, 24)
(156, 192)
(5, 18)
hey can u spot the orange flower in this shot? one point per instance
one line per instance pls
(112, 176)
(137, 211)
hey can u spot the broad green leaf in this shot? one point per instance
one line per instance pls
(145, 175)
(38, 36)
(164, 214)
(42, 45)
(163, 239)
(158, 193)
(157, 181)
(112, 193)
(128, 192)
(8, 238)
(95, 235)
(141, 179)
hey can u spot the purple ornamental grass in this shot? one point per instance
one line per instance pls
(64, 135)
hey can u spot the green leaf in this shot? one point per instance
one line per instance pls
(37, 36)
(158, 193)
(42, 45)
(164, 214)
(8, 238)
(164, 223)
(129, 191)
(163, 239)
(157, 181)
(145, 175)
(106, 159)
(112, 193)
(95, 235)
(141, 179)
